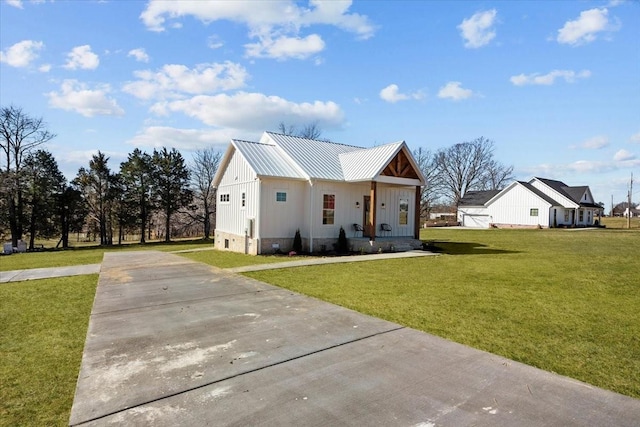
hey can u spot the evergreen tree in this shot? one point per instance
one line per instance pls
(43, 183)
(95, 184)
(137, 182)
(171, 184)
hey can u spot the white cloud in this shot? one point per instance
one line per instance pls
(183, 139)
(478, 30)
(76, 96)
(623, 155)
(44, 68)
(454, 91)
(22, 53)
(82, 57)
(569, 76)
(585, 28)
(275, 25)
(139, 54)
(214, 42)
(174, 80)
(286, 47)
(253, 111)
(15, 3)
(392, 94)
(624, 160)
(595, 143)
(635, 138)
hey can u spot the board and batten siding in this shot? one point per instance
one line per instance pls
(514, 207)
(231, 216)
(347, 212)
(552, 193)
(281, 219)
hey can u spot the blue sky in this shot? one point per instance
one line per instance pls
(556, 85)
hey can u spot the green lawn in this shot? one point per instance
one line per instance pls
(562, 300)
(44, 324)
(88, 254)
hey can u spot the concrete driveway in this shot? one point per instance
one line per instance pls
(175, 342)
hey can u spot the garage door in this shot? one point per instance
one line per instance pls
(476, 221)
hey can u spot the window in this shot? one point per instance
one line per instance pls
(224, 198)
(328, 208)
(533, 212)
(404, 212)
(581, 215)
(244, 199)
(281, 196)
(566, 216)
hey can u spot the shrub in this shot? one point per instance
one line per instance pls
(342, 247)
(297, 242)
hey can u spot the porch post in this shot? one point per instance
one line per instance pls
(372, 211)
(416, 215)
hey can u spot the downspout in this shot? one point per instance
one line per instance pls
(256, 225)
(310, 216)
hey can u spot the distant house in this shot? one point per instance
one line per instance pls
(267, 190)
(538, 203)
(634, 212)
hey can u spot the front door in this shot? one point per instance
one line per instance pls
(366, 223)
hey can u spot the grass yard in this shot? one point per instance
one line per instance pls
(562, 300)
(94, 255)
(44, 325)
(88, 254)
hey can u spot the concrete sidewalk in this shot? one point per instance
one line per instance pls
(44, 273)
(329, 260)
(175, 342)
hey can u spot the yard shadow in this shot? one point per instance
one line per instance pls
(461, 248)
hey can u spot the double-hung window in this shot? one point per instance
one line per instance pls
(328, 208)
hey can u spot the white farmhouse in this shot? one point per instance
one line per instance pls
(267, 190)
(538, 203)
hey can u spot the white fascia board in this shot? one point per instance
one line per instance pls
(224, 164)
(398, 181)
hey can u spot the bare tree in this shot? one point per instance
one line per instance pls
(468, 166)
(287, 130)
(309, 131)
(204, 166)
(497, 176)
(431, 192)
(19, 135)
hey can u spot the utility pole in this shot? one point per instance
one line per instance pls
(629, 202)
(611, 213)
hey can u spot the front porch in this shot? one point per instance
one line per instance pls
(383, 244)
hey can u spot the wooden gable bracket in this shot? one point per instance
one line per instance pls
(400, 167)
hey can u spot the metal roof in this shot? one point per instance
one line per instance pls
(367, 163)
(286, 156)
(318, 159)
(267, 159)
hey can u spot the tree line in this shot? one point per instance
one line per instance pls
(148, 188)
(36, 198)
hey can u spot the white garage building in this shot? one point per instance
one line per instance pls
(538, 203)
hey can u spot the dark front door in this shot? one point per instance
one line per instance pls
(366, 218)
